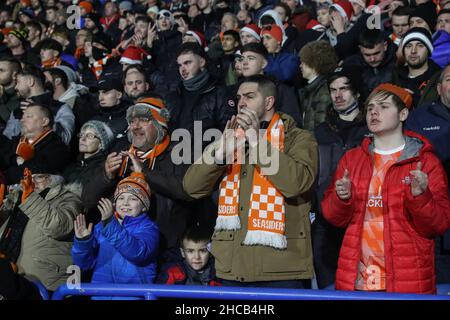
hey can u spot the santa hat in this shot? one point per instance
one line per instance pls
(315, 25)
(137, 186)
(197, 36)
(253, 29)
(362, 3)
(275, 31)
(400, 92)
(345, 9)
(134, 55)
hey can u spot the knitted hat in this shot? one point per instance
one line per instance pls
(109, 81)
(87, 6)
(153, 108)
(126, 5)
(198, 36)
(274, 31)
(134, 55)
(102, 131)
(403, 94)
(137, 186)
(22, 35)
(426, 11)
(345, 9)
(253, 29)
(315, 25)
(95, 18)
(418, 34)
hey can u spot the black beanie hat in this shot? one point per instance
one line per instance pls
(426, 11)
(418, 34)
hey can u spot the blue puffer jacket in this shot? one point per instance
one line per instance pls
(441, 52)
(284, 66)
(120, 253)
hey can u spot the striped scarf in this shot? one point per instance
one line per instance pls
(150, 155)
(266, 214)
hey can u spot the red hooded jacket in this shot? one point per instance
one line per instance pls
(410, 223)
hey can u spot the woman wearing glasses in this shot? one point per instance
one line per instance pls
(94, 140)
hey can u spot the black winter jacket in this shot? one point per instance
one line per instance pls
(372, 77)
(171, 208)
(50, 156)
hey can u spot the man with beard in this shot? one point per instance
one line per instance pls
(148, 150)
(135, 82)
(18, 44)
(420, 75)
(30, 86)
(9, 100)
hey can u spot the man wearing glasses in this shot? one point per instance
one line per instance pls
(148, 150)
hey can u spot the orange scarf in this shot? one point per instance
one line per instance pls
(51, 63)
(78, 53)
(150, 155)
(266, 215)
(25, 150)
(97, 66)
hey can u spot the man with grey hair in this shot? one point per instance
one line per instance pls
(148, 150)
(40, 213)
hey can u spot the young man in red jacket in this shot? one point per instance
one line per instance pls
(391, 194)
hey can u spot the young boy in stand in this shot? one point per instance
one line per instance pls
(391, 194)
(197, 266)
(122, 248)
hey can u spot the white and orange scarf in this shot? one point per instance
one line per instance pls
(150, 155)
(266, 215)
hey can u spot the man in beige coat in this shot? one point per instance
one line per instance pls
(262, 233)
(42, 212)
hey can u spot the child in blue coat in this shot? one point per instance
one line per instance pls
(123, 247)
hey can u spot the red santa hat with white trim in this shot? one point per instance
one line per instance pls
(345, 8)
(134, 55)
(198, 36)
(315, 25)
(253, 29)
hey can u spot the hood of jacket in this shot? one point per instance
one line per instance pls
(415, 145)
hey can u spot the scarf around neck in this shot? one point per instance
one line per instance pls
(142, 156)
(197, 82)
(266, 214)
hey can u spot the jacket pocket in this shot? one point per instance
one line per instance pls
(291, 260)
(294, 259)
(222, 250)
